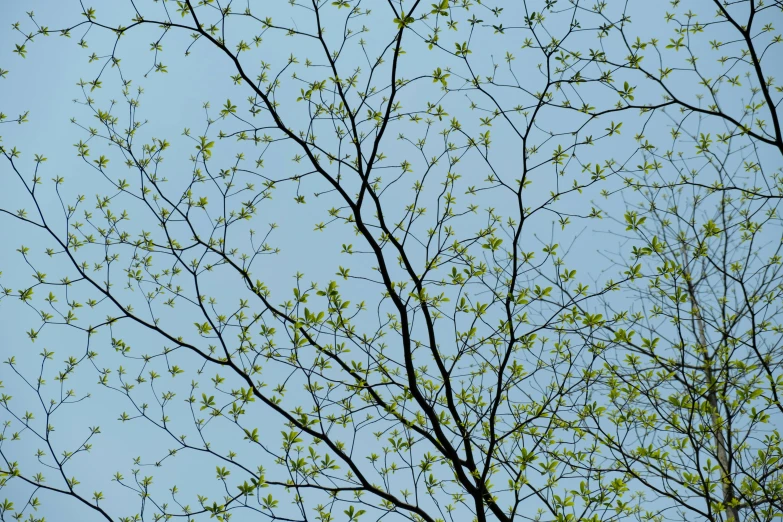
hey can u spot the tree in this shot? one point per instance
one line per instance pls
(451, 364)
(694, 390)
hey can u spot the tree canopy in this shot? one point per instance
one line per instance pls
(453, 261)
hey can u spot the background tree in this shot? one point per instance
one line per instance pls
(445, 369)
(693, 369)
(695, 407)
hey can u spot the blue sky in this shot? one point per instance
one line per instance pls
(45, 84)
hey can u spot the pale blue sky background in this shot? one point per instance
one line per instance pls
(45, 83)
